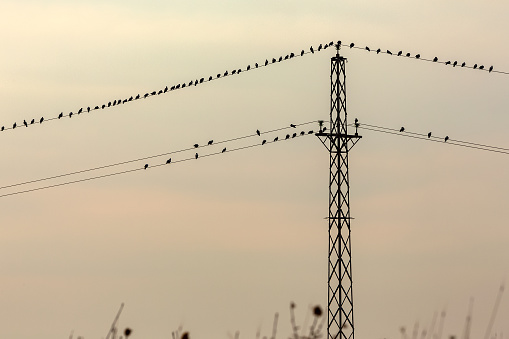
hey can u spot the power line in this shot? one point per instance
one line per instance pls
(450, 62)
(152, 156)
(301, 134)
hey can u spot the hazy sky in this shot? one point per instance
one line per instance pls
(220, 244)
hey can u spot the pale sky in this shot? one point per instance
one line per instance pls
(220, 244)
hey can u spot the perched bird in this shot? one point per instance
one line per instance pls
(14, 126)
(32, 122)
(302, 53)
(210, 77)
(408, 54)
(171, 89)
(127, 332)
(302, 133)
(102, 107)
(153, 93)
(239, 70)
(145, 167)
(42, 119)
(324, 129)
(183, 85)
(294, 135)
(292, 55)
(352, 44)
(280, 58)
(196, 156)
(311, 49)
(248, 67)
(389, 52)
(463, 64)
(114, 102)
(367, 49)
(160, 92)
(165, 89)
(287, 137)
(475, 66)
(266, 62)
(447, 62)
(454, 64)
(3, 127)
(178, 86)
(292, 125)
(96, 107)
(263, 142)
(190, 83)
(88, 109)
(435, 59)
(258, 132)
(25, 123)
(276, 139)
(196, 145)
(218, 75)
(273, 60)
(70, 114)
(320, 47)
(491, 69)
(109, 103)
(124, 101)
(481, 67)
(225, 73)
(210, 142)
(446, 138)
(310, 132)
(80, 110)
(131, 98)
(402, 129)
(61, 115)
(400, 52)
(224, 150)
(429, 135)
(234, 71)
(168, 161)
(137, 97)
(195, 82)
(256, 65)
(378, 51)
(417, 56)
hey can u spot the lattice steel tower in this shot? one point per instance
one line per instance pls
(338, 142)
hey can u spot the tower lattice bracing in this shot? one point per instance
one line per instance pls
(340, 319)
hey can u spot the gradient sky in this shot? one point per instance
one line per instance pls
(220, 244)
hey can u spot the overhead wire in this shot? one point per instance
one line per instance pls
(296, 135)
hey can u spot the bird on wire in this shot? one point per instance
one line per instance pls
(196, 156)
(475, 66)
(429, 135)
(400, 52)
(287, 137)
(294, 135)
(311, 49)
(481, 67)
(224, 150)
(435, 59)
(402, 129)
(310, 132)
(266, 62)
(196, 145)
(61, 115)
(276, 139)
(145, 167)
(446, 138)
(168, 161)
(25, 123)
(42, 119)
(292, 125)
(352, 44)
(258, 132)
(263, 142)
(70, 114)
(389, 52)
(302, 132)
(491, 69)
(14, 126)
(3, 127)
(88, 109)
(210, 142)
(417, 56)
(32, 122)
(408, 55)
(302, 53)
(80, 110)
(367, 49)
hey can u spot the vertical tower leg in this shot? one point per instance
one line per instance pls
(340, 293)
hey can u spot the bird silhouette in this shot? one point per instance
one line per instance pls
(195, 82)
(178, 86)
(70, 114)
(210, 78)
(292, 55)
(80, 110)
(190, 83)
(435, 59)
(14, 126)
(218, 75)
(389, 52)
(273, 60)
(196, 145)
(210, 142)
(88, 109)
(145, 167)
(201, 80)
(287, 136)
(256, 65)
(324, 129)
(196, 156)
(491, 69)
(183, 85)
(32, 122)
(109, 103)
(294, 135)
(367, 49)
(454, 64)
(168, 161)
(234, 71)
(310, 132)
(248, 67)
(292, 125)
(131, 98)
(475, 66)
(302, 53)
(42, 119)
(481, 67)
(61, 115)
(153, 93)
(311, 49)
(96, 107)
(447, 62)
(160, 92)
(124, 101)
(276, 139)
(402, 129)
(320, 47)
(25, 123)
(429, 135)
(114, 102)
(378, 51)
(3, 127)
(102, 107)
(258, 132)
(266, 62)
(463, 64)
(280, 58)
(417, 56)
(408, 54)
(263, 142)
(225, 73)
(352, 44)
(165, 89)
(446, 138)
(400, 52)
(302, 133)
(137, 97)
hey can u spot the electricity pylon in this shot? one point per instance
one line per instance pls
(340, 322)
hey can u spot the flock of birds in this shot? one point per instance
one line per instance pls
(264, 141)
(267, 62)
(402, 129)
